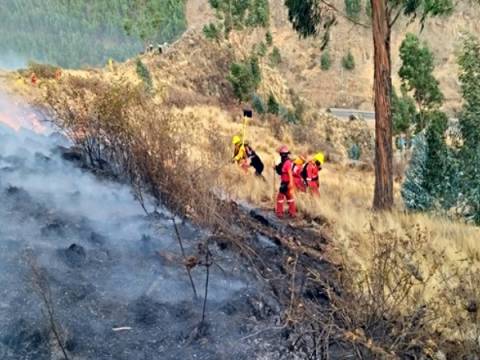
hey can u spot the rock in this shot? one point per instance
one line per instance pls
(25, 337)
(96, 239)
(41, 158)
(73, 154)
(54, 228)
(146, 310)
(472, 306)
(75, 255)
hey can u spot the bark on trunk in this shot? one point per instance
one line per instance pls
(383, 196)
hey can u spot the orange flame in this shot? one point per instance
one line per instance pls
(27, 120)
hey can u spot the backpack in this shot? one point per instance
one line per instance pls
(278, 168)
(304, 174)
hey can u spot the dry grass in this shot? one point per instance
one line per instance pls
(201, 133)
(437, 259)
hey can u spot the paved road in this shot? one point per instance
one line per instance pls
(346, 113)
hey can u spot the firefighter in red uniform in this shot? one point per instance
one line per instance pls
(284, 169)
(298, 166)
(34, 79)
(310, 173)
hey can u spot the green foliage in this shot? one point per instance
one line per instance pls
(258, 105)
(348, 61)
(429, 179)
(155, 20)
(245, 78)
(269, 38)
(416, 74)
(325, 61)
(449, 176)
(211, 32)
(469, 61)
(354, 152)
(86, 33)
(311, 17)
(239, 14)
(353, 8)
(275, 57)
(287, 115)
(414, 193)
(403, 113)
(261, 49)
(368, 8)
(44, 71)
(273, 107)
(436, 153)
(144, 74)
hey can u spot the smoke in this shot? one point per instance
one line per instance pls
(107, 263)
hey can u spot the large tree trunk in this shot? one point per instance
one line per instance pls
(383, 197)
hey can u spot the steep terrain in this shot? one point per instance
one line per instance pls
(400, 291)
(338, 87)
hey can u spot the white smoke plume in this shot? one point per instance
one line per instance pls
(102, 256)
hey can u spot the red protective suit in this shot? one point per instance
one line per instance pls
(298, 179)
(286, 190)
(312, 177)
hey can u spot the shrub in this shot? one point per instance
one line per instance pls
(403, 113)
(273, 107)
(45, 71)
(144, 74)
(245, 78)
(368, 9)
(258, 104)
(353, 8)
(211, 32)
(325, 61)
(269, 38)
(354, 152)
(142, 143)
(275, 57)
(299, 106)
(348, 61)
(261, 49)
(288, 115)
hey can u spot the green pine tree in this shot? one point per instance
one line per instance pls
(417, 77)
(414, 193)
(469, 121)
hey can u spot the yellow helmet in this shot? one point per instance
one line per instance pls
(300, 160)
(320, 157)
(236, 140)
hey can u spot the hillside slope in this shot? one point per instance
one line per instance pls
(191, 109)
(340, 88)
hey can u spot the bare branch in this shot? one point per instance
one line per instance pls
(343, 14)
(397, 16)
(179, 238)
